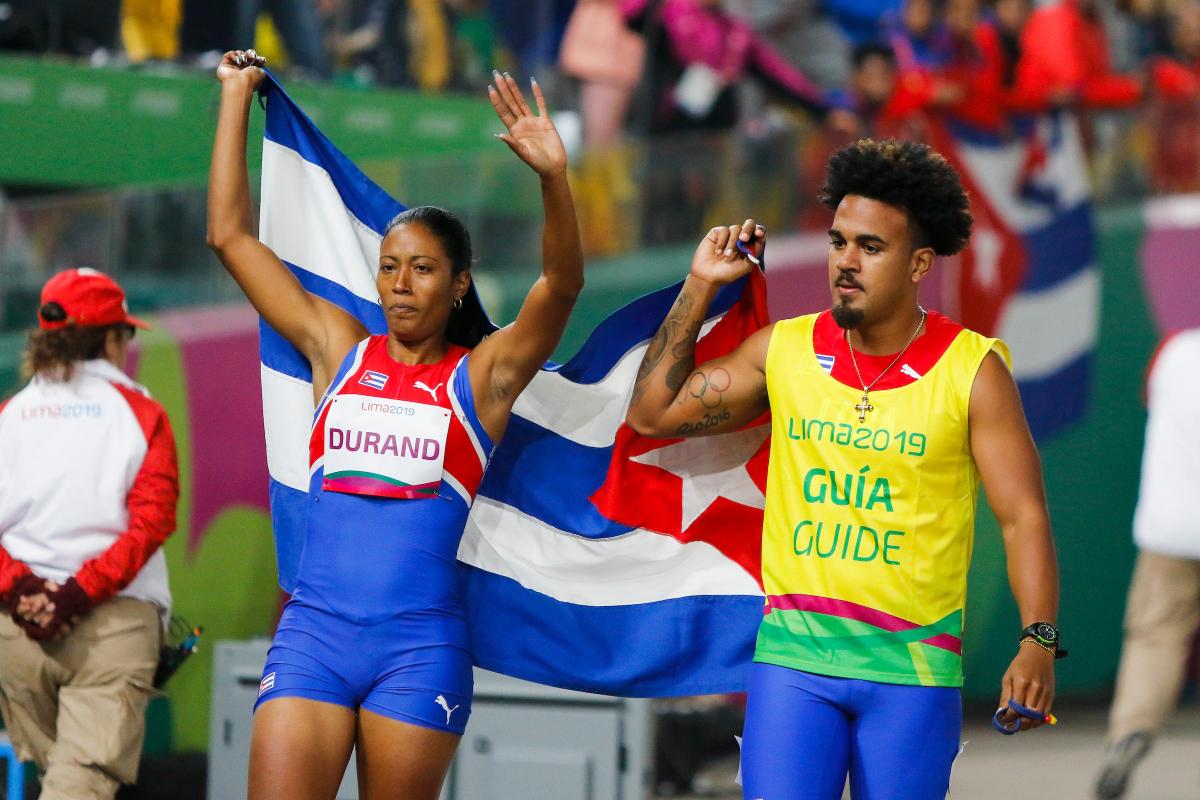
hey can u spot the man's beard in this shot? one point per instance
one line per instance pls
(847, 316)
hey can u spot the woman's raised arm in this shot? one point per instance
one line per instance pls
(318, 329)
(506, 361)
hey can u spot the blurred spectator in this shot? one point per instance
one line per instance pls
(872, 93)
(697, 54)
(1009, 17)
(797, 29)
(1162, 612)
(150, 29)
(607, 58)
(376, 44)
(973, 65)
(207, 27)
(1065, 61)
(1175, 113)
(298, 23)
(915, 34)
(82, 575)
(474, 44)
(532, 29)
(85, 28)
(701, 56)
(954, 66)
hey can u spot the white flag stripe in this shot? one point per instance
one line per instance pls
(287, 415)
(1065, 171)
(300, 227)
(1049, 329)
(639, 567)
(587, 414)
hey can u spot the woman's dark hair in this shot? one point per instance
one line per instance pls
(469, 323)
(910, 176)
(55, 353)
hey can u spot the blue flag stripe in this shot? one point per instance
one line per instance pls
(1059, 399)
(630, 326)
(661, 642)
(1059, 250)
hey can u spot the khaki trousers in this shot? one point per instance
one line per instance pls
(1161, 617)
(77, 706)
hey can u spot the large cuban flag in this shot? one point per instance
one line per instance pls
(557, 591)
(1030, 274)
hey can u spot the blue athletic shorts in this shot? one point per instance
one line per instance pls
(804, 733)
(406, 668)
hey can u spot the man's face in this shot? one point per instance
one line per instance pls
(873, 268)
(875, 79)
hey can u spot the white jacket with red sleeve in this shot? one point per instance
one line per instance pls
(89, 484)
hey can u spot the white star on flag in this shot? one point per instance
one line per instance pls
(712, 467)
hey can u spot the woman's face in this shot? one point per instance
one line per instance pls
(416, 282)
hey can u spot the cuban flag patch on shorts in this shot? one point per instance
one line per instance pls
(375, 380)
(266, 684)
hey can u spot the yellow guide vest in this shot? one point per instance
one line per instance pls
(868, 527)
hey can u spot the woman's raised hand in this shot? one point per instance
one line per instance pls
(532, 137)
(241, 65)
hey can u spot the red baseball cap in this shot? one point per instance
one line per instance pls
(90, 298)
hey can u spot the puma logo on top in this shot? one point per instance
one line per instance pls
(441, 700)
(433, 392)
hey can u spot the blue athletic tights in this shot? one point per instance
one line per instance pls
(804, 733)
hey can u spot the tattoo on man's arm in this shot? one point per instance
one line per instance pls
(657, 349)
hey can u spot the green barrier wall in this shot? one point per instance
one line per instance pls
(69, 125)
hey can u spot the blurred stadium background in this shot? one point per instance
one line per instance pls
(107, 111)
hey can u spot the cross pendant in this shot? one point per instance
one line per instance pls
(863, 407)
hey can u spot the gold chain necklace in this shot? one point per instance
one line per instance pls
(865, 404)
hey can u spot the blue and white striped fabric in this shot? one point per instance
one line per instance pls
(556, 593)
(1052, 321)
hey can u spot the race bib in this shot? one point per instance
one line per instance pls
(384, 448)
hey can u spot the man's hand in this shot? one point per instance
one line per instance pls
(1030, 681)
(718, 260)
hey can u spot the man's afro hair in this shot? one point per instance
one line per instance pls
(910, 176)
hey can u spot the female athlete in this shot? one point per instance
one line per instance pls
(372, 649)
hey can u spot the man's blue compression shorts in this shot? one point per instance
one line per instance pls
(404, 667)
(805, 732)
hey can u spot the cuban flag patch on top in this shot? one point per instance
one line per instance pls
(375, 380)
(826, 363)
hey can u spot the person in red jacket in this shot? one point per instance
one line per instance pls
(955, 69)
(88, 490)
(1174, 114)
(1064, 61)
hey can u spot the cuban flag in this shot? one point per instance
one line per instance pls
(594, 559)
(1029, 275)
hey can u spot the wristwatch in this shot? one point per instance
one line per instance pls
(1045, 636)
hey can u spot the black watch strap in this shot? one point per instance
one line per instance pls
(1046, 636)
